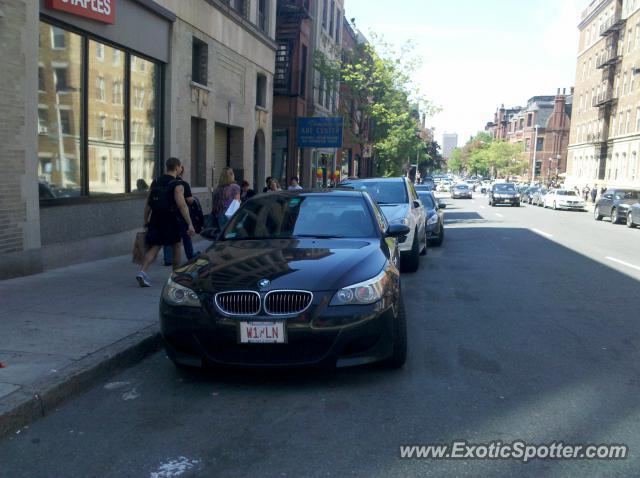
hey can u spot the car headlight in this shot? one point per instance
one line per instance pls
(179, 295)
(363, 293)
(403, 220)
(432, 220)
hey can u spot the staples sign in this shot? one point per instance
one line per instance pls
(100, 10)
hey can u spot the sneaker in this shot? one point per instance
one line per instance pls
(143, 279)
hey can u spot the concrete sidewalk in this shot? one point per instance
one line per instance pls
(65, 329)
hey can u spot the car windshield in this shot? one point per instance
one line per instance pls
(566, 193)
(383, 192)
(275, 216)
(628, 195)
(462, 186)
(504, 188)
(422, 187)
(427, 200)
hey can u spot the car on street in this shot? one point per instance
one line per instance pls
(460, 191)
(294, 279)
(528, 193)
(537, 198)
(615, 203)
(424, 187)
(504, 193)
(564, 199)
(435, 217)
(400, 204)
(633, 216)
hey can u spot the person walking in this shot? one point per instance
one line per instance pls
(268, 182)
(246, 191)
(187, 243)
(226, 192)
(594, 194)
(585, 192)
(294, 184)
(164, 202)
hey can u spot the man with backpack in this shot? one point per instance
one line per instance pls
(165, 202)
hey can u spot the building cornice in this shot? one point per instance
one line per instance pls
(593, 13)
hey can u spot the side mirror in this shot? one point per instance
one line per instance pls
(398, 230)
(416, 204)
(211, 234)
(442, 205)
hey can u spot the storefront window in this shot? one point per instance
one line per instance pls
(94, 155)
(143, 123)
(106, 151)
(59, 113)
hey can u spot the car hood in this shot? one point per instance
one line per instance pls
(305, 264)
(394, 211)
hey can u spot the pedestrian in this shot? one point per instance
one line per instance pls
(585, 192)
(187, 243)
(594, 194)
(294, 184)
(164, 202)
(268, 181)
(226, 192)
(246, 191)
(273, 185)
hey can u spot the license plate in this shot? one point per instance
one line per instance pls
(262, 333)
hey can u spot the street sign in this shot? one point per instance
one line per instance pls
(319, 132)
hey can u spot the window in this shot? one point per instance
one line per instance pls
(100, 51)
(332, 18)
(527, 144)
(138, 97)
(199, 62)
(281, 75)
(624, 83)
(627, 128)
(43, 120)
(60, 78)
(338, 25)
(66, 124)
(638, 119)
(115, 59)
(261, 91)
(539, 144)
(117, 92)
(529, 120)
(521, 124)
(303, 72)
(41, 79)
(198, 152)
(57, 38)
(321, 91)
(118, 129)
(324, 13)
(620, 124)
(100, 90)
(262, 15)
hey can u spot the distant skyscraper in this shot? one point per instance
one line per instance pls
(449, 143)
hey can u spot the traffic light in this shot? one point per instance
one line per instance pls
(538, 169)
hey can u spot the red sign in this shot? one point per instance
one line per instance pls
(100, 10)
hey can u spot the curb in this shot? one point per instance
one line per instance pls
(37, 400)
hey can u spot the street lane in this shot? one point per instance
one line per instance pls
(513, 335)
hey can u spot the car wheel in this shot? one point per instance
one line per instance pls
(615, 219)
(399, 357)
(411, 262)
(630, 223)
(423, 252)
(596, 214)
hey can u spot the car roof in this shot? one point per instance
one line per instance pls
(314, 192)
(373, 180)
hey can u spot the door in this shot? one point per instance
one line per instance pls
(221, 152)
(605, 204)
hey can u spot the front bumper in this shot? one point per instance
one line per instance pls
(434, 231)
(509, 200)
(405, 243)
(577, 207)
(321, 336)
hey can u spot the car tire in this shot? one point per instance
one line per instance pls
(411, 261)
(596, 214)
(399, 357)
(438, 242)
(630, 223)
(424, 251)
(615, 218)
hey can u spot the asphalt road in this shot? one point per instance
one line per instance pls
(524, 325)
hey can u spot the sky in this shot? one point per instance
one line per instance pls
(478, 55)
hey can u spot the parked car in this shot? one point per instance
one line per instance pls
(504, 193)
(435, 217)
(633, 216)
(423, 187)
(615, 203)
(537, 199)
(564, 199)
(527, 195)
(294, 279)
(400, 204)
(461, 191)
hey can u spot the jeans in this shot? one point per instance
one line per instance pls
(186, 243)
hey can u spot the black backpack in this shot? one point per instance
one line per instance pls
(161, 197)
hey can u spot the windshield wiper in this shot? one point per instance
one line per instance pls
(317, 236)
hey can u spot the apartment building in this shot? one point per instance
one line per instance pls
(449, 143)
(96, 95)
(605, 133)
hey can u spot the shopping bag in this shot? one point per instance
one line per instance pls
(139, 248)
(233, 207)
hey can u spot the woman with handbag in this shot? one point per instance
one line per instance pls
(225, 197)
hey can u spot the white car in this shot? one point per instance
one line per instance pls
(399, 202)
(564, 199)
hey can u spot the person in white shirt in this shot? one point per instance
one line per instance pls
(294, 184)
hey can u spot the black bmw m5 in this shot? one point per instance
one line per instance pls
(294, 279)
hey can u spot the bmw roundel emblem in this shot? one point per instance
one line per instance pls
(264, 283)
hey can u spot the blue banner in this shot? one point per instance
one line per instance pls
(319, 132)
